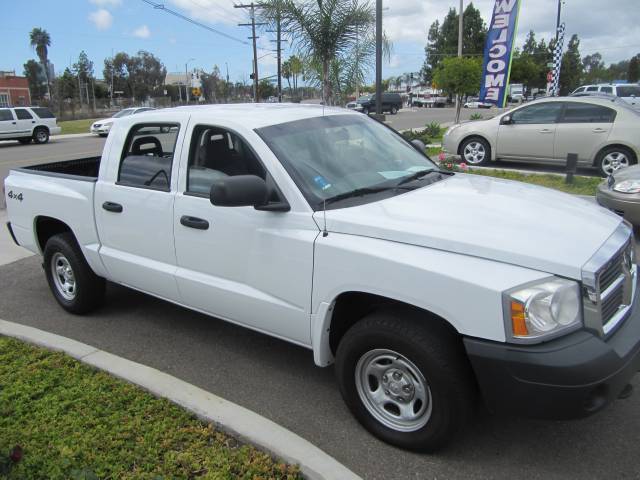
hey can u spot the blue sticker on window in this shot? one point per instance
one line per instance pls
(322, 182)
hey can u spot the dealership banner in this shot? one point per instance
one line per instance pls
(497, 52)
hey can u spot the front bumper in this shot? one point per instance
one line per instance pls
(101, 130)
(625, 204)
(570, 377)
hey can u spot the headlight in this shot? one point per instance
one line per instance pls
(627, 186)
(542, 309)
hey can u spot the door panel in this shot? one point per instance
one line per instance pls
(248, 266)
(532, 133)
(582, 129)
(24, 122)
(8, 123)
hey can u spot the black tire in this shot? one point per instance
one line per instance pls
(365, 110)
(485, 145)
(103, 135)
(89, 288)
(613, 150)
(394, 110)
(40, 135)
(435, 351)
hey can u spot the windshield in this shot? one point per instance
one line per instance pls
(333, 155)
(123, 113)
(628, 90)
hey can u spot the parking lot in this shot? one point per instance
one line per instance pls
(279, 381)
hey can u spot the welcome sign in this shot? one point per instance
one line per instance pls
(497, 52)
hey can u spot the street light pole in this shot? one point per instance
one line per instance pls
(460, 30)
(379, 57)
(186, 77)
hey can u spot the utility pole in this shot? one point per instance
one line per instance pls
(252, 12)
(279, 43)
(113, 67)
(460, 30)
(227, 89)
(379, 57)
(186, 77)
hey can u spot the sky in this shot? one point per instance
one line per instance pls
(101, 27)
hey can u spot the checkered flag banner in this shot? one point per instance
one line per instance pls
(557, 61)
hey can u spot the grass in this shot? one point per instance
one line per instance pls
(75, 422)
(580, 185)
(76, 126)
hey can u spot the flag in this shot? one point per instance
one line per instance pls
(557, 62)
(497, 52)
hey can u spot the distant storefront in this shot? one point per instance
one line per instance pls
(14, 90)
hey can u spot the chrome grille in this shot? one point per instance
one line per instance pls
(609, 282)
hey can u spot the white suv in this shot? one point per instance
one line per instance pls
(27, 123)
(630, 93)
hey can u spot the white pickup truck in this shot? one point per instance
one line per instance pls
(327, 229)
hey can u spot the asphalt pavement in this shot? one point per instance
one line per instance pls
(279, 381)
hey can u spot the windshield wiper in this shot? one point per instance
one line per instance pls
(358, 192)
(417, 175)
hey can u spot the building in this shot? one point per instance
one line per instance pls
(14, 90)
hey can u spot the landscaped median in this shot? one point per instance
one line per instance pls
(75, 126)
(60, 419)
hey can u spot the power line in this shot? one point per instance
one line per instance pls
(160, 6)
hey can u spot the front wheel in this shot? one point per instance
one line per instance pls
(73, 284)
(406, 380)
(394, 110)
(613, 158)
(475, 151)
(365, 111)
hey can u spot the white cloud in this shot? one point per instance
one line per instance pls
(106, 3)
(101, 18)
(142, 32)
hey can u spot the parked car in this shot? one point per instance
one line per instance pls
(103, 126)
(322, 227)
(476, 103)
(430, 101)
(602, 132)
(391, 102)
(27, 124)
(630, 93)
(620, 193)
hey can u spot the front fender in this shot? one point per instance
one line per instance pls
(465, 291)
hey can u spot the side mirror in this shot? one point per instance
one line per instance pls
(419, 145)
(239, 191)
(506, 120)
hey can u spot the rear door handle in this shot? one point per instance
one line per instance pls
(33, 121)
(112, 207)
(546, 130)
(598, 130)
(194, 222)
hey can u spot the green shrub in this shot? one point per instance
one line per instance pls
(433, 130)
(476, 116)
(421, 135)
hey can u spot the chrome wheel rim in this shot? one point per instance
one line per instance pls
(474, 152)
(63, 276)
(393, 390)
(41, 135)
(613, 161)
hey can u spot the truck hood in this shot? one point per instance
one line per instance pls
(496, 219)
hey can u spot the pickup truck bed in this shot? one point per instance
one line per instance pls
(81, 169)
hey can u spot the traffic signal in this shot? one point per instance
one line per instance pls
(252, 76)
(195, 92)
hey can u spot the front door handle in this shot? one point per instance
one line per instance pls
(194, 222)
(33, 121)
(598, 130)
(546, 130)
(112, 207)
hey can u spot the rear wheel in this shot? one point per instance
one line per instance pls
(613, 158)
(73, 284)
(394, 110)
(365, 110)
(41, 135)
(406, 381)
(475, 151)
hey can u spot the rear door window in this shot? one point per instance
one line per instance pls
(606, 89)
(5, 115)
(147, 157)
(23, 114)
(587, 113)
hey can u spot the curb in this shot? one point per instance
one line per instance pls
(229, 417)
(72, 135)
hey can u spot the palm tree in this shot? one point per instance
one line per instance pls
(324, 31)
(296, 69)
(41, 41)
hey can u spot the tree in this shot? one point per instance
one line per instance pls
(571, 69)
(458, 76)
(442, 39)
(530, 46)
(593, 69)
(40, 40)
(36, 78)
(524, 70)
(137, 76)
(266, 89)
(324, 31)
(83, 70)
(633, 73)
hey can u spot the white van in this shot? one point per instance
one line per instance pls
(27, 123)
